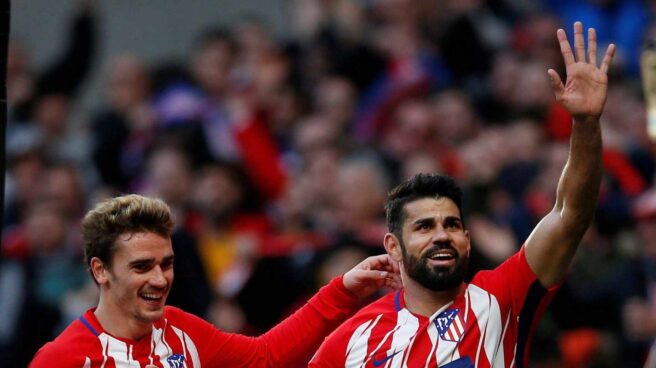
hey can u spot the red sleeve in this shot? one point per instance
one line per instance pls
(61, 354)
(511, 281)
(261, 158)
(326, 356)
(290, 343)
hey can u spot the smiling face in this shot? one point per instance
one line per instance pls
(434, 248)
(139, 279)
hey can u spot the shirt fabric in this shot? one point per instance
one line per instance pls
(488, 325)
(180, 339)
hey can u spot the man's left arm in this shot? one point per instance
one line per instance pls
(551, 246)
(294, 340)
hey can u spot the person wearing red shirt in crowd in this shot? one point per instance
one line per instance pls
(437, 320)
(129, 253)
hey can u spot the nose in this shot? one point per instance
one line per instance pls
(440, 234)
(158, 278)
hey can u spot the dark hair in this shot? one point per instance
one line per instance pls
(419, 186)
(212, 35)
(125, 214)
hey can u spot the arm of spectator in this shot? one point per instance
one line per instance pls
(551, 246)
(70, 70)
(260, 154)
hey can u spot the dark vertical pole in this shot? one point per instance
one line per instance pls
(4, 46)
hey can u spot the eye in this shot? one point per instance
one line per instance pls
(423, 226)
(167, 264)
(453, 224)
(141, 267)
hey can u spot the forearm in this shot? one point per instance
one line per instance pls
(296, 338)
(578, 188)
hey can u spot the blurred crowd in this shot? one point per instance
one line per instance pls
(275, 154)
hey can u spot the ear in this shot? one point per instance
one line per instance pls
(393, 247)
(468, 242)
(99, 270)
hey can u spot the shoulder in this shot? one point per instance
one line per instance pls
(185, 321)
(385, 307)
(515, 269)
(70, 348)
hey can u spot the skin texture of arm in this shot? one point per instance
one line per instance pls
(552, 244)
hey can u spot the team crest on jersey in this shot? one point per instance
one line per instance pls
(450, 325)
(176, 361)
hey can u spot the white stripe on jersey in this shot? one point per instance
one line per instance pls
(488, 315)
(380, 345)
(189, 347)
(408, 326)
(480, 304)
(446, 350)
(87, 362)
(117, 350)
(161, 347)
(499, 361)
(432, 334)
(358, 344)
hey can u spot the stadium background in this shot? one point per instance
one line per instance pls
(274, 130)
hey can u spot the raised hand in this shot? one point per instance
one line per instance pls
(372, 274)
(585, 89)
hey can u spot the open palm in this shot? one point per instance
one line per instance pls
(584, 92)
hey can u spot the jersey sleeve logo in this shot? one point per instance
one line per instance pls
(378, 363)
(176, 361)
(450, 325)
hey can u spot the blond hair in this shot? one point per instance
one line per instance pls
(125, 214)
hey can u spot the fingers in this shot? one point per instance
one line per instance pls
(379, 262)
(608, 58)
(592, 46)
(556, 83)
(565, 48)
(579, 42)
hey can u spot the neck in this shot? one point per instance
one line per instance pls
(116, 324)
(426, 302)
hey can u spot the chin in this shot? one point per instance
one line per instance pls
(153, 315)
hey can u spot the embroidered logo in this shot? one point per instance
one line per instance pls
(176, 361)
(450, 325)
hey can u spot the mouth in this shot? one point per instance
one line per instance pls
(155, 299)
(441, 257)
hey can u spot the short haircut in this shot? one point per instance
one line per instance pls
(418, 187)
(120, 215)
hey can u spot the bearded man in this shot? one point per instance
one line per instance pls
(438, 320)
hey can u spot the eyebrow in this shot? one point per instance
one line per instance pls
(429, 220)
(150, 260)
(422, 221)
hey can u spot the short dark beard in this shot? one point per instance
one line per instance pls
(435, 278)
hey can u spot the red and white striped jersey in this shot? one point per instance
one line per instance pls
(488, 325)
(180, 339)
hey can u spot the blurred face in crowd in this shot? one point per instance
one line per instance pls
(217, 193)
(434, 246)
(51, 113)
(360, 194)
(211, 66)
(413, 129)
(454, 117)
(128, 83)
(170, 175)
(139, 279)
(336, 99)
(62, 185)
(45, 228)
